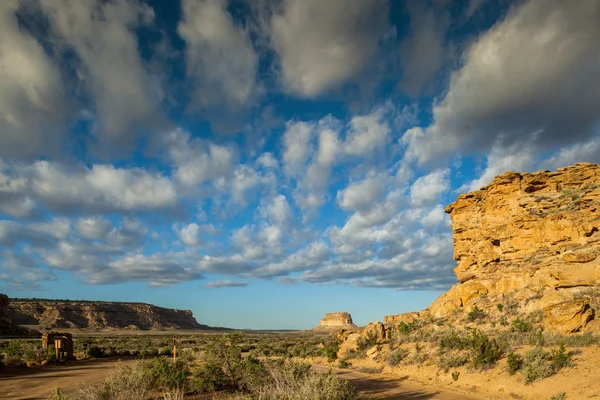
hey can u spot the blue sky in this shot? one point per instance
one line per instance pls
(265, 162)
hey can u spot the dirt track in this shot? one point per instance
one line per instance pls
(38, 383)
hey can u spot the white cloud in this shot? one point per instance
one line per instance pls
(297, 145)
(435, 217)
(586, 151)
(362, 196)
(225, 283)
(512, 91)
(220, 58)
(197, 161)
(518, 158)
(100, 188)
(102, 35)
(278, 211)
(368, 133)
(32, 97)
(428, 188)
(322, 45)
(93, 227)
(189, 234)
(422, 52)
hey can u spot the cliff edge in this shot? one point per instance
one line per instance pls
(529, 243)
(44, 314)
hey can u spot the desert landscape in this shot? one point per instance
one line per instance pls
(299, 199)
(520, 323)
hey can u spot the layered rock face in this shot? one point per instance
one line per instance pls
(335, 321)
(533, 240)
(529, 243)
(51, 314)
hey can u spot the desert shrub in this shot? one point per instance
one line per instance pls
(514, 362)
(559, 396)
(331, 348)
(123, 382)
(394, 357)
(455, 375)
(520, 325)
(476, 315)
(500, 307)
(57, 394)
(561, 359)
(296, 381)
(371, 370)
(403, 327)
(484, 351)
(166, 351)
(453, 340)
(167, 374)
(537, 365)
(452, 361)
(344, 364)
(366, 342)
(94, 351)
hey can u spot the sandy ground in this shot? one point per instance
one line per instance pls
(386, 386)
(38, 383)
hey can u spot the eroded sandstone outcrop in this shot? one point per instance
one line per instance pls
(530, 241)
(56, 314)
(336, 321)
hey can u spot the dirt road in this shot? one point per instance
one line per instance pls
(38, 383)
(381, 386)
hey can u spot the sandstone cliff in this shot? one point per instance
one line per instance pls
(56, 314)
(530, 243)
(335, 321)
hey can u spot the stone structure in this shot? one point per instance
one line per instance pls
(65, 346)
(335, 321)
(531, 242)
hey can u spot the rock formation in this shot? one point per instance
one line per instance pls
(336, 321)
(51, 314)
(530, 242)
(7, 328)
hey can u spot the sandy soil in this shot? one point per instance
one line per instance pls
(582, 381)
(391, 387)
(38, 383)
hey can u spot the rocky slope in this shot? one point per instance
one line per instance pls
(335, 321)
(530, 244)
(56, 314)
(7, 328)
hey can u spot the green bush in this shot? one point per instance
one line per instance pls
(331, 348)
(453, 340)
(169, 375)
(94, 351)
(484, 351)
(561, 359)
(559, 396)
(452, 361)
(394, 357)
(166, 351)
(455, 375)
(500, 307)
(520, 325)
(344, 364)
(476, 315)
(514, 362)
(405, 328)
(537, 365)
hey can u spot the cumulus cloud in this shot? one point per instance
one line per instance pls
(512, 91)
(220, 59)
(321, 45)
(102, 36)
(93, 227)
(362, 196)
(428, 188)
(99, 189)
(32, 95)
(423, 52)
(197, 161)
(225, 283)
